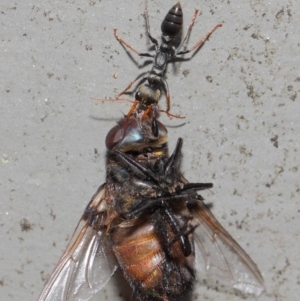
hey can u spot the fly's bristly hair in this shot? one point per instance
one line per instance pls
(153, 244)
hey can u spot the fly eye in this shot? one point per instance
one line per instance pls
(126, 130)
(114, 136)
(138, 96)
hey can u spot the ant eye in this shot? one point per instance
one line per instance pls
(138, 96)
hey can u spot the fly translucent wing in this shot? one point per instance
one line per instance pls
(88, 262)
(220, 262)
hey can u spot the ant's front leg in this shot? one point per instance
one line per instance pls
(132, 109)
(142, 75)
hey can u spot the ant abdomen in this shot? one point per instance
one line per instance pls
(172, 23)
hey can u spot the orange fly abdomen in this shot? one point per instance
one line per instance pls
(139, 252)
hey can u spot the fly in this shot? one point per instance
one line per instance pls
(150, 222)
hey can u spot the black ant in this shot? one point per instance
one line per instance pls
(166, 52)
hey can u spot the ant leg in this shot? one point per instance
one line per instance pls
(202, 40)
(132, 109)
(168, 101)
(189, 31)
(165, 84)
(146, 112)
(111, 99)
(153, 40)
(172, 115)
(132, 82)
(166, 87)
(124, 43)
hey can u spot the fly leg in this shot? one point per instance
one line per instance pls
(183, 239)
(170, 169)
(185, 234)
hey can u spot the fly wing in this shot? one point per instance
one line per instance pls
(220, 262)
(88, 262)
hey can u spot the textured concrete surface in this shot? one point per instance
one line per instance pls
(239, 95)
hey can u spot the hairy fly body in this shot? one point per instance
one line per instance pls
(149, 221)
